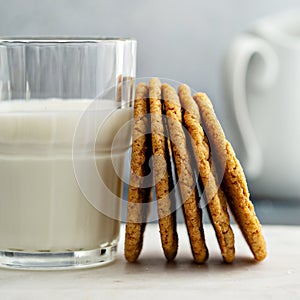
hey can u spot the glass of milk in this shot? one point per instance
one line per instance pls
(63, 104)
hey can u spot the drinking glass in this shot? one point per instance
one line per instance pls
(53, 94)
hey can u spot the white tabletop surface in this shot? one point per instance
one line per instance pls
(277, 277)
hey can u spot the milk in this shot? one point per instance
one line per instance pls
(42, 207)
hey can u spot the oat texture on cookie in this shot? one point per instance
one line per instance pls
(139, 191)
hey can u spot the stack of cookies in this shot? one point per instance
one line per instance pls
(178, 131)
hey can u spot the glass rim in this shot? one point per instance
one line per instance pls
(63, 39)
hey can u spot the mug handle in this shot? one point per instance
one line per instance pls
(236, 68)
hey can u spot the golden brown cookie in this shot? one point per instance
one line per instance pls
(234, 181)
(119, 87)
(162, 174)
(192, 212)
(216, 201)
(138, 194)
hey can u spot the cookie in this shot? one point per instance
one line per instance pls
(192, 212)
(162, 174)
(119, 87)
(234, 182)
(124, 84)
(139, 191)
(215, 198)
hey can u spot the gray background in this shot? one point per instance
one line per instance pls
(181, 40)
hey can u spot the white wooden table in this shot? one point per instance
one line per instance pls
(278, 277)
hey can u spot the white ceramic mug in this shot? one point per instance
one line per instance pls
(262, 80)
